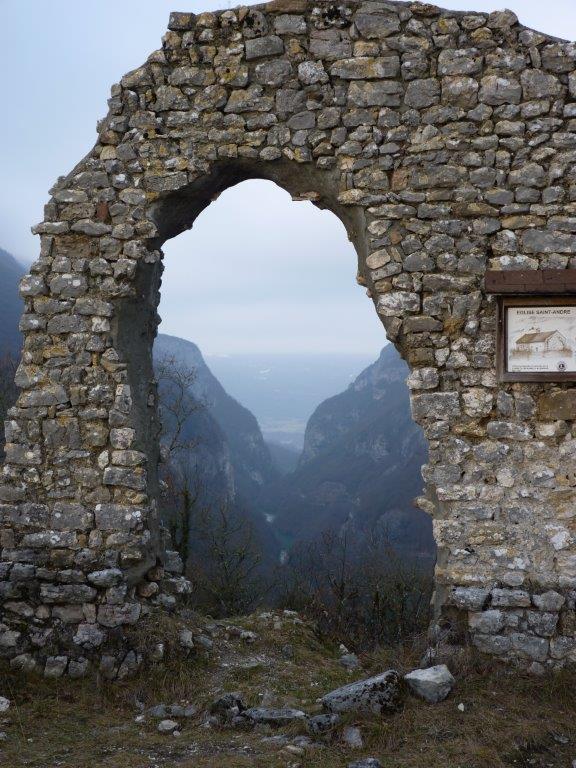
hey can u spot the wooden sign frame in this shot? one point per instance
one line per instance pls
(506, 302)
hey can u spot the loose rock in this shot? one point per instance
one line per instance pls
(378, 695)
(275, 717)
(432, 684)
(167, 726)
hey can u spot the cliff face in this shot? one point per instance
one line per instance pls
(228, 462)
(10, 338)
(360, 465)
(234, 432)
(379, 392)
(10, 304)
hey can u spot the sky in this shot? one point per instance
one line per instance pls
(257, 273)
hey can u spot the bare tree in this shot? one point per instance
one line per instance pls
(177, 404)
(227, 568)
(358, 588)
(179, 477)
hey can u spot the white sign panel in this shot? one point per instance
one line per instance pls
(541, 339)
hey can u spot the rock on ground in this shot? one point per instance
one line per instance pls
(432, 684)
(227, 706)
(268, 716)
(167, 726)
(350, 661)
(322, 725)
(352, 737)
(377, 694)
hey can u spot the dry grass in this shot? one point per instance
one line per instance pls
(508, 719)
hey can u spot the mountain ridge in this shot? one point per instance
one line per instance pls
(11, 305)
(248, 451)
(360, 466)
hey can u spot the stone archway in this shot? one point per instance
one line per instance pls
(444, 142)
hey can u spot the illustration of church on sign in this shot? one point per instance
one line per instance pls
(537, 341)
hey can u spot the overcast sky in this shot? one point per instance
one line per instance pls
(258, 273)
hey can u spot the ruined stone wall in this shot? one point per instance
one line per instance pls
(445, 142)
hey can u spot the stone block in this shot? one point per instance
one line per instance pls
(432, 684)
(78, 668)
(549, 601)
(290, 24)
(510, 598)
(369, 94)
(376, 25)
(487, 622)
(560, 404)
(61, 594)
(469, 598)
(423, 378)
(537, 84)
(529, 647)
(108, 577)
(437, 405)
(273, 73)
(89, 636)
(116, 517)
(125, 477)
(545, 241)
(377, 695)
(258, 47)
(459, 61)
(496, 90)
(55, 666)
(118, 615)
(542, 623)
(66, 516)
(494, 645)
(422, 93)
(398, 302)
(366, 67)
(181, 22)
(507, 430)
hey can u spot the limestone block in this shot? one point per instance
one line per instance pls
(258, 47)
(432, 684)
(377, 695)
(558, 405)
(376, 25)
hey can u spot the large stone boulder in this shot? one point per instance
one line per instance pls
(378, 695)
(432, 684)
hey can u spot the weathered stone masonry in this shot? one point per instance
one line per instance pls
(446, 143)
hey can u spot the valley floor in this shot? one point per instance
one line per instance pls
(507, 719)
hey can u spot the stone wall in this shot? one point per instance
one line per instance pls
(445, 142)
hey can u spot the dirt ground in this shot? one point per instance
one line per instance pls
(493, 718)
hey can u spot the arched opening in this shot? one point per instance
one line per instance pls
(315, 509)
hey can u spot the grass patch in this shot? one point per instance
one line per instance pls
(509, 719)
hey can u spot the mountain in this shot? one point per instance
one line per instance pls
(360, 466)
(225, 461)
(282, 390)
(237, 426)
(10, 338)
(284, 457)
(10, 304)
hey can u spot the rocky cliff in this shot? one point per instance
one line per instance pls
(10, 304)
(228, 462)
(360, 465)
(234, 431)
